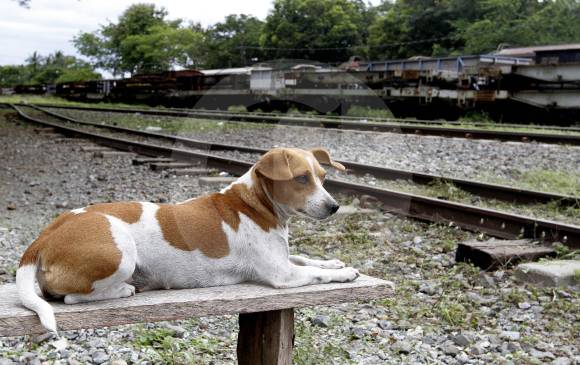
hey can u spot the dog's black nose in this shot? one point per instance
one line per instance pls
(333, 208)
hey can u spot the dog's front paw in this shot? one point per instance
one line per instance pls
(348, 274)
(332, 264)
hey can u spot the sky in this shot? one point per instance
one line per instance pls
(50, 25)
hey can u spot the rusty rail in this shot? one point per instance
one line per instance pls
(487, 190)
(492, 222)
(470, 133)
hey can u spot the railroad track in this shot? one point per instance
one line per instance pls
(492, 222)
(399, 120)
(470, 133)
(341, 118)
(494, 191)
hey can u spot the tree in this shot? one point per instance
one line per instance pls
(54, 68)
(521, 23)
(418, 27)
(325, 30)
(141, 41)
(234, 42)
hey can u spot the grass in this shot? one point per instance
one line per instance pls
(40, 99)
(171, 125)
(308, 350)
(163, 348)
(558, 181)
(446, 190)
(368, 112)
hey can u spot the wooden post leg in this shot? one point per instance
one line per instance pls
(266, 338)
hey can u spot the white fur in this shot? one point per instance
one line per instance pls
(317, 203)
(78, 211)
(153, 263)
(25, 276)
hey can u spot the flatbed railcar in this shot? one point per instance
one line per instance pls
(535, 84)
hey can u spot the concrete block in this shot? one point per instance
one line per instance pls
(216, 181)
(550, 273)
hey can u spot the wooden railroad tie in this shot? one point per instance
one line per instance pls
(266, 315)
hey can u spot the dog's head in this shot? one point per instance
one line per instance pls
(293, 178)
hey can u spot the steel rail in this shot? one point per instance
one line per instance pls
(329, 117)
(469, 133)
(494, 191)
(492, 222)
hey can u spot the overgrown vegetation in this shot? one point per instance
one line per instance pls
(557, 181)
(54, 68)
(144, 39)
(368, 112)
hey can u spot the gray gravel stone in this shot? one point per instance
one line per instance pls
(510, 335)
(403, 347)
(385, 325)
(562, 361)
(461, 340)
(450, 349)
(100, 357)
(43, 337)
(541, 354)
(176, 331)
(320, 321)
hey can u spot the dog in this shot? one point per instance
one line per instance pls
(111, 250)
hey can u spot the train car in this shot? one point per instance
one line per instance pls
(38, 89)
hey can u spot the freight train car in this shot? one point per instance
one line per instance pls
(533, 84)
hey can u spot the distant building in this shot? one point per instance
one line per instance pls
(546, 55)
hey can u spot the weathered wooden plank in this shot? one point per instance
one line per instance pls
(493, 253)
(266, 338)
(164, 305)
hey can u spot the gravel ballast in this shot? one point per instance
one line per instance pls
(486, 160)
(440, 312)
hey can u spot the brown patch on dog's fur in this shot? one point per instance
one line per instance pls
(129, 212)
(197, 224)
(72, 253)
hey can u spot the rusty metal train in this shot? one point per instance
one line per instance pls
(532, 84)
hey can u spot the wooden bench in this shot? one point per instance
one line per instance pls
(266, 315)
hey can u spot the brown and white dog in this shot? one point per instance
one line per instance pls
(107, 251)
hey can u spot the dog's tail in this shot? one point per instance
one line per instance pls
(25, 279)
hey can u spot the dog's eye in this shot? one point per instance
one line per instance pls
(302, 179)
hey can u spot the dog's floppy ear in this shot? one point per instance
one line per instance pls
(323, 157)
(275, 165)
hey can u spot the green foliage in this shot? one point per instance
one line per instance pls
(296, 25)
(227, 42)
(142, 41)
(162, 348)
(55, 67)
(521, 23)
(368, 112)
(452, 313)
(436, 28)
